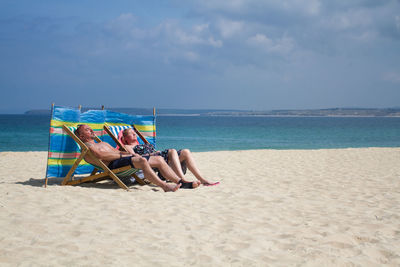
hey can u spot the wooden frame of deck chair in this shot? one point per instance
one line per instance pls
(122, 147)
(107, 173)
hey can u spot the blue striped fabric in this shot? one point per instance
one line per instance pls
(116, 129)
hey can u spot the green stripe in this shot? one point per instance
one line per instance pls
(127, 173)
(63, 158)
(54, 151)
(68, 165)
(66, 134)
(120, 174)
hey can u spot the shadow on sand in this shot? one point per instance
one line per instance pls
(108, 184)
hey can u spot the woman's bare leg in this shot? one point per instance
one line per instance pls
(174, 163)
(191, 164)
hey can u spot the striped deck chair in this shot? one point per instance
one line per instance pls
(114, 131)
(64, 155)
(114, 174)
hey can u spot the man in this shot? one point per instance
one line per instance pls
(171, 156)
(115, 159)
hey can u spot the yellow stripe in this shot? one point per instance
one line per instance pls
(94, 126)
(65, 162)
(146, 128)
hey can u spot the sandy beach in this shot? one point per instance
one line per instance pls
(336, 207)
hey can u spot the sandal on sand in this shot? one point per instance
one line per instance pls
(186, 185)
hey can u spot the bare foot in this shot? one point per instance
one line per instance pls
(196, 184)
(204, 181)
(171, 187)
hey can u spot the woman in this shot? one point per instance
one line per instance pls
(173, 158)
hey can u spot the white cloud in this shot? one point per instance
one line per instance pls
(392, 76)
(307, 7)
(365, 36)
(310, 7)
(200, 28)
(186, 38)
(191, 56)
(283, 45)
(260, 39)
(197, 35)
(348, 20)
(232, 5)
(215, 43)
(124, 26)
(228, 28)
(122, 22)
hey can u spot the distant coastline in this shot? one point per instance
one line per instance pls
(331, 112)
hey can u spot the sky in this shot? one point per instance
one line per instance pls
(199, 54)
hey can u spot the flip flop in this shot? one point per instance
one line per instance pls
(212, 184)
(186, 185)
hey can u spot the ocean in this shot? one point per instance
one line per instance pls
(214, 133)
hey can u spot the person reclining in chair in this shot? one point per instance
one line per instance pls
(116, 159)
(172, 157)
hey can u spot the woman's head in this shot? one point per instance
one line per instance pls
(129, 137)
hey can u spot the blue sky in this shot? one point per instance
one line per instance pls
(238, 54)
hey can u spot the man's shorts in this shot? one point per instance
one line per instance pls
(124, 161)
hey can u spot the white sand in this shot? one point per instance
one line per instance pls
(285, 208)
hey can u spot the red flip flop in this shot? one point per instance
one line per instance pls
(216, 183)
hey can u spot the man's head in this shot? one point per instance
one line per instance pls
(84, 132)
(129, 137)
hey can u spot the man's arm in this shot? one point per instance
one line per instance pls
(106, 152)
(131, 150)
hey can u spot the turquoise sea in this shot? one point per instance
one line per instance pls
(211, 133)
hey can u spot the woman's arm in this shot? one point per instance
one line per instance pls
(130, 150)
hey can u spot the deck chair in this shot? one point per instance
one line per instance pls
(113, 132)
(114, 174)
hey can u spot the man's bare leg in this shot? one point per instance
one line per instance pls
(149, 174)
(191, 165)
